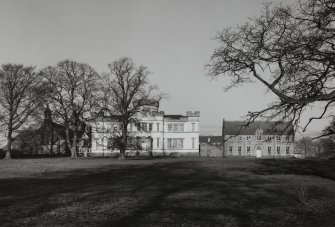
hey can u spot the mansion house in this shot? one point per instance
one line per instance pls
(155, 133)
(259, 139)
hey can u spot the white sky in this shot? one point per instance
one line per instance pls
(174, 39)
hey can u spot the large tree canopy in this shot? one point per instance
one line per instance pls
(21, 94)
(127, 92)
(72, 94)
(290, 50)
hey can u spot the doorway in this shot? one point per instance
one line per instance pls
(258, 152)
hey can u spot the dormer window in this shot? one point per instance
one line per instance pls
(259, 136)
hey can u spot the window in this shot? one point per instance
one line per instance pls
(239, 138)
(248, 138)
(287, 138)
(150, 127)
(157, 127)
(230, 150)
(248, 150)
(278, 138)
(144, 127)
(239, 150)
(193, 140)
(115, 128)
(269, 150)
(269, 138)
(176, 127)
(259, 136)
(175, 143)
(287, 150)
(157, 142)
(278, 150)
(193, 127)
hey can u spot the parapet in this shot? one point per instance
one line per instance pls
(193, 114)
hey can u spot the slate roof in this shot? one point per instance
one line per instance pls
(268, 127)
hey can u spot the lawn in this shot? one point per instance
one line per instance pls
(166, 192)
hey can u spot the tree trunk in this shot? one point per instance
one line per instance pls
(68, 141)
(9, 144)
(123, 147)
(74, 146)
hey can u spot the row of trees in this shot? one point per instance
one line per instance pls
(72, 90)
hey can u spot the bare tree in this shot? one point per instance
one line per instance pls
(20, 95)
(127, 91)
(290, 50)
(72, 87)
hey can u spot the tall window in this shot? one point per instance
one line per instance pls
(193, 141)
(175, 143)
(248, 150)
(239, 150)
(144, 127)
(278, 150)
(157, 124)
(150, 127)
(259, 136)
(175, 127)
(269, 150)
(287, 150)
(157, 142)
(230, 149)
(193, 127)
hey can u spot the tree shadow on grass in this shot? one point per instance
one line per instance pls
(323, 169)
(163, 193)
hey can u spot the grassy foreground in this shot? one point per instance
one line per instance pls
(166, 192)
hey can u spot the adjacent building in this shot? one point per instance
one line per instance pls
(258, 139)
(211, 146)
(153, 133)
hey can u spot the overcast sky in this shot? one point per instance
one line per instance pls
(174, 39)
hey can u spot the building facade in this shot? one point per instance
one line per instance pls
(154, 133)
(259, 139)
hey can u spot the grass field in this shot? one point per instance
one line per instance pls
(166, 192)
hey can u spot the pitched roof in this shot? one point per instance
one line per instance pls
(268, 127)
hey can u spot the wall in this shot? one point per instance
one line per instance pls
(234, 142)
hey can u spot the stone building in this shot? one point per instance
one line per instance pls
(155, 133)
(47, 138)
(259, 139)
